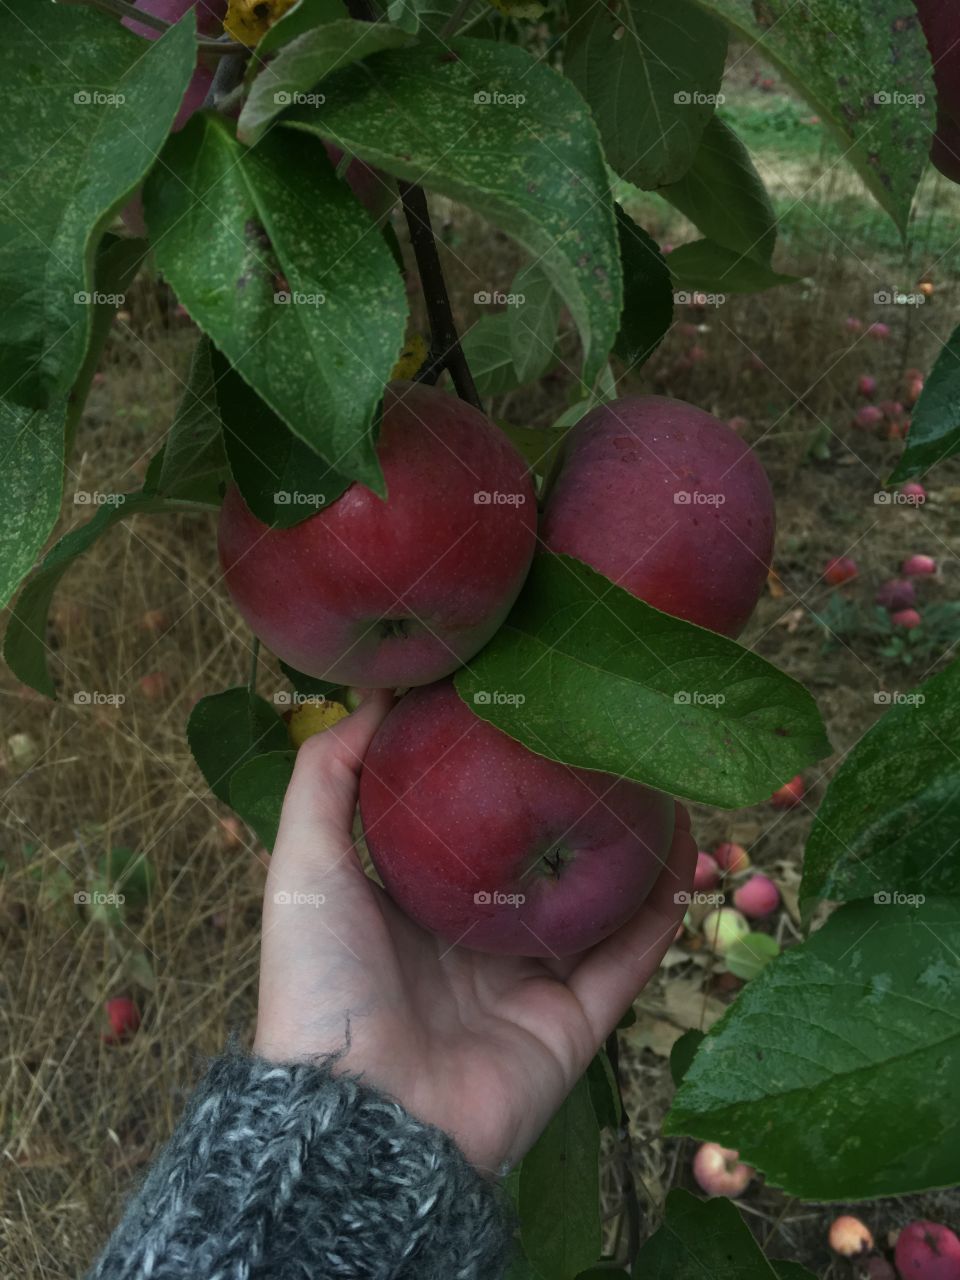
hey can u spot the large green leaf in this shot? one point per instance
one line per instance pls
(257, 789)
(722, 195)
(863, 66)
(890, 821)
(304, 62)
(603, 681)
(488, 347)
(647, 293)
(934, 433)
(31, 484)
(87, 106)
(704, 265)
(227, 729)
(703, 1240)
(800, 1072)
(650, 73)
(281, 266)
(194, 465)
(303, 17)
(533, 322)
(559, 1197)
(490, 125)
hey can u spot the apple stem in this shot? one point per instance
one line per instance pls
(628, 1187)
(445, 349)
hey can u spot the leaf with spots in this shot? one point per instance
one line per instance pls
(605, 682)
(489, 125)
(934, 433)
(862, 65)
(837, 1069)
(278, 263)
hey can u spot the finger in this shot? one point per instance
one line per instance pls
(609, 977)
(321, 799)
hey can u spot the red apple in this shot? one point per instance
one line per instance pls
(757, 897)
(123, 1019)
(850, 1237)
(891, 409)
(707, 875)
(879, 330)
(719, 1170)
(898, 593)
(853, 325)
(914, 492)
(671, 504)
(908, 619)
(155, 686)
(380, 593)
(867, 385)
(790, 794)
(927, 1251)
(731, 858)
(738, 423)
(498, 849)
(918, 566)
(914, 389)
(839, 570)
(867, 417)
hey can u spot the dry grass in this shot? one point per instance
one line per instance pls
(80, 1118)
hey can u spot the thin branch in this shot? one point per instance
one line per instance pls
(120, 9)
(446, 351)
(628, 1187)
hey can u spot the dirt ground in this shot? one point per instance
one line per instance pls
(79, 1118)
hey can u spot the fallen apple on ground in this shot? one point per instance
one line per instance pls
(720, 1171)
(790, 794)
(839, 570)
(400, 592)
(731, 858)
(850, 1237)
(493, 847)
(669, 503)
(757, 897)
(122, 1020)
(927, 1251)
(722, 927)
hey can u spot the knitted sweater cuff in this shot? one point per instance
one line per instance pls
(286, 1171)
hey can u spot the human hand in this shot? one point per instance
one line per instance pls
(485, 1047)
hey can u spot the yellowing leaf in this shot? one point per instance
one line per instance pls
(249, 20)
(314, 717)
(411, 358)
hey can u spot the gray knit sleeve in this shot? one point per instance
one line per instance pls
(278, 1172)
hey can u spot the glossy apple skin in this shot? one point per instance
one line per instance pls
(383, 594)
(927, 1251)
(938, 18)
(613, 507)
(451, 808)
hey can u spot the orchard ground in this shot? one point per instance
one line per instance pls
(81, 1118)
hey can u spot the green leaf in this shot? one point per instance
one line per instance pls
(24, 647)
(559, 1198)
(889, 821)
(309, 686)
(131, 873)
(488, 347)
(647, 293)
(539, 445)
(282, 480)
(651, 74)
(227, 729)
(751, 954)
(303, 17)
(604, 1094)
(193, 464)
(257, 789)
(810, 44)
(449, 117)
(934, 432)
(599, 673)
(682, 1053)
(31, 485)
(533, 323)
(87, 107)
(799, 1073)
(702, 1240)
(705, 265)
(304, 62)
(790, 1270)
(309, 309)
(722, 195)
